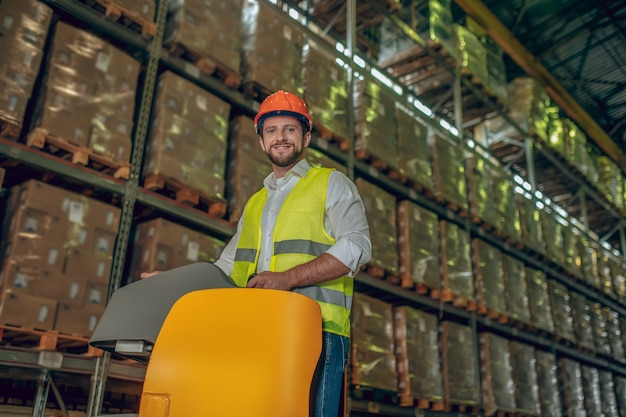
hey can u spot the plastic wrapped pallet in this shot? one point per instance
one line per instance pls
(58, 248)
(207, 29)
(581, 314)
(607, 395)
(573, 396)
(548, 381)
(498, 390)
(373, 361)
(604, 273)
(187, 143)
(482, 205)
(456, 262)
(532, 231)
(418, 243)
(591, 391)
(552, 231)
(618, 272)
(561, 311)
(413, 149)
(589, 257)
(525, 377)
(24, 28)
(417, 353)
(248, 165)
(380, 209)
(460, 369)
(614, 333)
(442, 24)
(145, 9)
(576, 150)
(89, 95)
(571, 251)
(449, 170)
(622, 326)
(326, 91)
(516, 289)
(610, 184)
(620, 394)
(600, 334)
(272, 48)
(556, 131)
(489, 274)
(160, 245)
(509, 223)
(539, 300)
(528, 104)
(375, 123)
(496, 70)
(471, 54)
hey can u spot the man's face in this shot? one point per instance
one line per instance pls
(283, 140)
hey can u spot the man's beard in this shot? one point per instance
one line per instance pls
(285, 160)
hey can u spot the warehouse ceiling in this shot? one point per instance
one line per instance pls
(582, 44)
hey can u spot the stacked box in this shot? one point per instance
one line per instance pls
(489, 275)
(591, 391)
(326, 90)
(509, 223)
(561, 311)
(604, 273)
(622, 326)
(89, 95)
(413, 149)
(607, 395)
(144, 8)
(272, 48)
(525, 377)
(456, 260)
(589, 257)
(471, 54)
(481, 201)
(548, 382)
(571, 251)
(460, 370)
(539, 300)
(442, 24)
(417, 353)
(161, 245)
(600, 334)
(516, 289)
(208, 29)
(319, 159)
(248, 165)
(620, 394)
(375, 123)
(556, 131)
(418, 243)
(373, 362)
(618, 272)
(552, 231)
(528, 104)
(380, 210)
(58, 247)
(498, 391)
(614, 333)
(581, 315)
(532, 233)
(449, 170)
(571, 377)
(187, 143)
(496, 70)
(24, 29)
(576, 150)
(610, 181)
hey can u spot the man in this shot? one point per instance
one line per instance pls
(304, 231)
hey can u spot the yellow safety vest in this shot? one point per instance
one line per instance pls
(299, 237)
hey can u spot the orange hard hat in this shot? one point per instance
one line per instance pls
(282, 103)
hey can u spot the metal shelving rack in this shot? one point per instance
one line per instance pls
(155, 57)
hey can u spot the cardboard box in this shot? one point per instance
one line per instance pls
(35, 254)
(27, 310)
(78, 320)
(96, 293)
(87, 266)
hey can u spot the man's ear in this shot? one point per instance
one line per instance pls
(262, 143)
(307, 139)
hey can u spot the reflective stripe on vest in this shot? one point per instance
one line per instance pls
(299, 237)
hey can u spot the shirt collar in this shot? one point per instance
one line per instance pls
(299, 170)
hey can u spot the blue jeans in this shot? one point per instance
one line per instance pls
(326, 387)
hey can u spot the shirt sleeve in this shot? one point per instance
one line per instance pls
(345, 214)
(227, 257)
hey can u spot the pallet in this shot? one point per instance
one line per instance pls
(80, 155)
(10, 129)
(453, 207)
(381, 273)
(407, 400)
(331, 137)
(462, 408)
(128, 18)
(183, 194)
(491, 314)
(205, 64)
(43, 339)
(366, 393)
(381, 165)
(254, 90)
(447, 296)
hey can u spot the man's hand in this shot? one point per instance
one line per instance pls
(148, 274)
(271, 280)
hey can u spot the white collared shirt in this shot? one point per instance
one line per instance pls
(344, 220)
